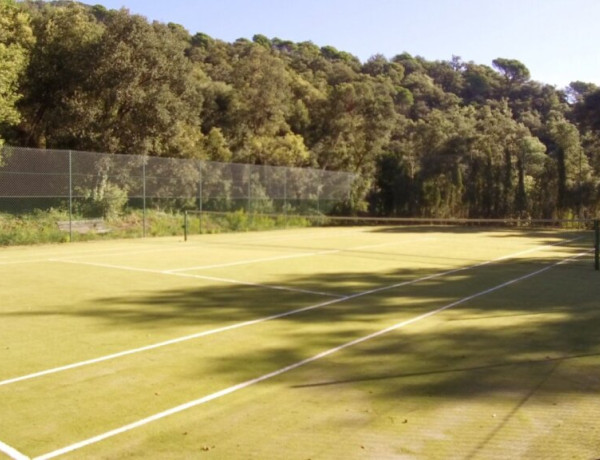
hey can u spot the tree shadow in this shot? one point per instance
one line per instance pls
(539, 321)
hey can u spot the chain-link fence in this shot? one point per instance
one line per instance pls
(85, 185)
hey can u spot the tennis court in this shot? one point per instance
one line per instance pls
(314, 343)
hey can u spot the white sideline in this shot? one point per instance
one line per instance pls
(293, 366)
(13, 453)
(264, 319)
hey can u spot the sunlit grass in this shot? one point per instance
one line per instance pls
(512, 373)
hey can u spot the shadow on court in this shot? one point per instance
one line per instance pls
(543, 319)
(477, 350)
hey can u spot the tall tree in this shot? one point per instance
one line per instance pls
(262, 105)
(60, 65)
(144, 93)
(16, 39)
(513, 70)
(572, 164)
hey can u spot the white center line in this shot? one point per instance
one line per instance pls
(185, 275)
(292, 256)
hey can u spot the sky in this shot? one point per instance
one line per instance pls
(557, 40)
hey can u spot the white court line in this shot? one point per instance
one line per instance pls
(324, 354)
(185, 275)
(80, 253)
(247, 262)
(247, 283)
(100, 253)
(263, 319)
(293, 256)
(22, 262)
(167, 247)
(298, 234)
(150, 249)
(12, 452)
(170, 247)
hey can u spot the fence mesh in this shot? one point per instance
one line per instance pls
(86, 184)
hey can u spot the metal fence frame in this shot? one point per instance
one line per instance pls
(27, 173)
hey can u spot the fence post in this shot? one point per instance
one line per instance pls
(249, 188)
(144, 159)
(285, 217)
(185, 225)
(70, 196)
(597, 244)
(200, 198)
(319, 185)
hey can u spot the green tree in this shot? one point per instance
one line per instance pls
(148, 92)
(481, 83)
(448, 75)
(55, 107)
(215, 146)
(572, 165)
(588, 111)
(443, 138)
(578, 90)
(356, 122)
(261, 105)
(531, 157)
(492, 172)
(16, 39)
(513, 70)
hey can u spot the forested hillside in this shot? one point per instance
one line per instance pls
(446, 138)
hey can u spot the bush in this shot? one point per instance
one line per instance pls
(106, 200)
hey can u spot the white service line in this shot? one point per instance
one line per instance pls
(13, 453)
(101, 252)
(184, 275)
(83, 253)
(288, 236)
(293, 256)
(23, 262)
(246, 262)
(331, 351)
(260, 320)
(104, 252)
(247, 283)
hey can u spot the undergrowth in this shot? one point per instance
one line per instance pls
(40, 226)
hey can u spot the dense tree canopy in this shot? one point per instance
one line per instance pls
(444, 138)
(16, 38)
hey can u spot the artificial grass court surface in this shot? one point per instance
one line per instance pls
(488, 360)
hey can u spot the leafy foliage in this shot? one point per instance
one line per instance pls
(443, 138)
(16, 38)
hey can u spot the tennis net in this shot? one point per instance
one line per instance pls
(202, 222)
